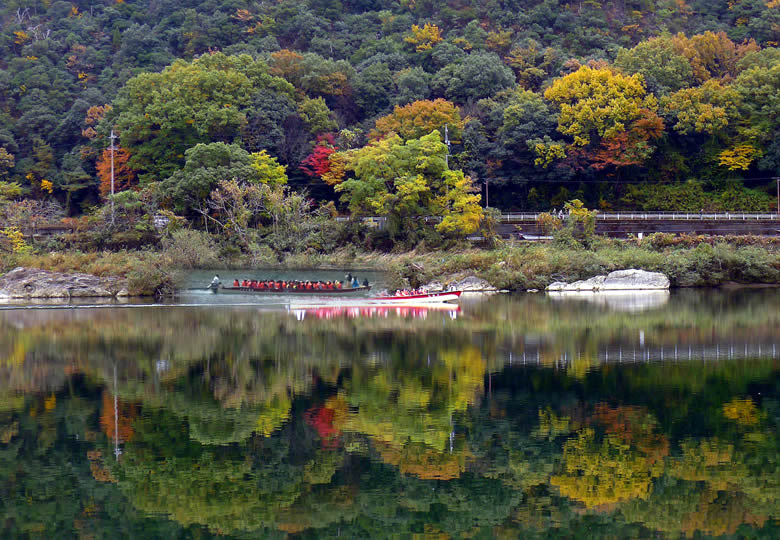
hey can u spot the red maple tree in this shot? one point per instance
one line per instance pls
(316, 164)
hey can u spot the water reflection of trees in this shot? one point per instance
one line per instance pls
(242, 423)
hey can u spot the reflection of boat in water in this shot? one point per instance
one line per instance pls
(369, 310)
(422, 298)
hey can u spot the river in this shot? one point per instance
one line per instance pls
(652, 415)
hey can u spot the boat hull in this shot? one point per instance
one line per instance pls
(417, 299)
(301, 292)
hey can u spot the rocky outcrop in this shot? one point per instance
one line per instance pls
(35, 283)
(467, 284)
(619, 280)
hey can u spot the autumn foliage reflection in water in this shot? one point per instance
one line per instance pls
(233, 422)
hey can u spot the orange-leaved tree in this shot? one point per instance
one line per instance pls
(124, 176)
(288, 65)
(630, 147)
(420, 118)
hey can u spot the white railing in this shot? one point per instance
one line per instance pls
(643, 216)
(618, 216)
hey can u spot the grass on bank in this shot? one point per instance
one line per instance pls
(534, 266)
(688, 261)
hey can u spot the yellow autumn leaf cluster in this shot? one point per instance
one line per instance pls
(424, 38)
(739, 158)
(598, 102)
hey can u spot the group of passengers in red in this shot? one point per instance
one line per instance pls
(280, 285)
(412, 292)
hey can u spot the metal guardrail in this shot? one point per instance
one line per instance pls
(616, 216)
(643, 216)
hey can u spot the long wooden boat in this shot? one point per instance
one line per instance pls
(287, 290)
(443, 296)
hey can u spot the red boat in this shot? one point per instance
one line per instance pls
(423, 298)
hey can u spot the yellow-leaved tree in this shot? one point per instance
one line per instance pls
(425, 37)
(599, 103)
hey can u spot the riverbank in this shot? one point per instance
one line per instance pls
(534, 266)
(688, 262)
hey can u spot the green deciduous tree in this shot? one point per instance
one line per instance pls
(160, 115)
(759, 91)
(479, 75)
(704, 109)
(316, 115)
(208, 164)
(373, 87)
(410, 179)
(664, 69)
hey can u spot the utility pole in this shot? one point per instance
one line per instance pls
(112, 147)
(447, 142)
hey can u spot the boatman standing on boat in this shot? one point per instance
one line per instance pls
(215, 282)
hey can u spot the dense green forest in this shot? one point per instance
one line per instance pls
(650, 104)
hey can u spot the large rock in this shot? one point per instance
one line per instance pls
(34, 283)
(467, 284)
(619, 280)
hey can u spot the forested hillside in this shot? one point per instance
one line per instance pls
(655, 104)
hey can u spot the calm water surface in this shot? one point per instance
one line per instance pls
(511, 416)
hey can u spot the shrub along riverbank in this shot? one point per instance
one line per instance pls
(688, 261)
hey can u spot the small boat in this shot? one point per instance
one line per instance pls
(423, 298)
(222, 289)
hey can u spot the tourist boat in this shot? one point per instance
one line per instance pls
(422, 298)
(408, 299)
(286, 290)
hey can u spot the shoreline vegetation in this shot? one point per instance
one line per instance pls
(688, 261)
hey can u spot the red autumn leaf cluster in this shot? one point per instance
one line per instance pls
(316, 164)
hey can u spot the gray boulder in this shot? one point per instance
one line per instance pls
(467, 284)
(35, 283)
(471, 284)
(619, 280)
